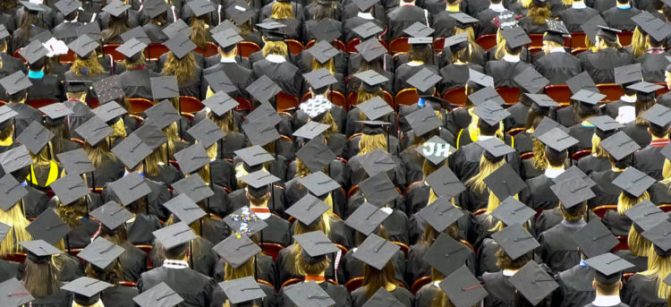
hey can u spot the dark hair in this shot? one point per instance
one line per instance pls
(116, 27)
(176, 252)
(504, 262)
(574, 213)
(583, 110)
(487, 129)
(555, 158)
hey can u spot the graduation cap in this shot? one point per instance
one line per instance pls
(164, 87)
(656, 28)
(180, 45)
(130, 188)
(15, 159)
(608, 267)
(225, 25)
(308, 209)
(445, 183)
(581, 81)
(370, 79)
(200, 7)
(86, 290)
(446, 254)
(244, 221)
(270, 25)
(627, 74)
(319, 183)
(264, 113)
(55, 112)
(418, 29)
(11, 192)
(240, 12)
(588, 96)
(66, 7)
(322, 51)
(619, 145)
(479, 78)
(542, 100)
(504, 182)
(35, 137)
(516, 37)
(463, 19)
(645, 88)
(259, 179)
(94, 130)
(315, 154)
(608, 33)
(263, 88)
(557, 139)
(308, 294)
(424, 79)
(533, 282)
(33, 52)
(515, 241)
(311, 130)
(31, 6)
(591, 27)
(660, 236)
(423, 121)
(420, 40)
(6, 114)
(572, 172)
(162, 114)
(633, 181)
(139, 35)
(131, 150)
(40, 248)
(378, 161)
(370, 49)
(83, 45)
(259, 133)
(365, 31)
(91, 29)
(206, 132)
(184, 208)
(48, 226)
(315, 243)
(484, 95)
(440, 214)
(15, 82)
(177, 27)
(605, 125)
(572, 191)
(491, 113)
(367, 218)
(101, 252)
(495, 147)
(3, 32)
(457, 42)
(254, 155)
(379, 190)
(194, 187)
(594, 239)
(174, 235)
(14, 293)
(116, 8)
(556, 31)
(320, 78)
(463, 288)
(112, 215)
(227, 38)
(511, 211)
(159, 295)
(242, 290)
(435, 149)
(150, 134)
(218, 81)
(131, 47)
(70, 188)
(325, 31)
(192, 158)
(646, 215)
(375, 251)
(531, 81)
(220, 103)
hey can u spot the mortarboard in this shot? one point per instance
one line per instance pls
(418, 29)
(591, 27)
(378, 161)
(116, 8)
(254, 155)
(660, 236)
(581, 81)
(259, 133)
(323, 51)
(162, 114)
(3, 32)
(315, 243)
(131, 47)
(192, 158)
(325, 31)
(504, 182)
(608, 267)
(33, 52)
(646, 215)
(311, 130)
(533, 282)
(444, 182)
(263, 88)
(194, 187)
(242, 290)
(379, 190)
(542, 100)
(164, 87)
(83, 45)
(633, 181)
(440, 214)
(495, 147)
(376, 251)
(491, 113)
(86, 290)
(308, 294)
(320, 78)
(40, 248)
(371, 79)
(225, 25)
(367, 218)
(572, 172)
(11, 192)
(130, 188)
(446, 254)
(435, 149)
(463, 288)
(588, 97)
(206, 132)
(109, 111)
(515, 241)
(67, 6)
(480, 78)
(424, 79)
(319, 183)
(457, 42)
(259, 179)
(150, 134)
(364, 5)
(516, 37)
(70, 188)
(240, 12)
(244, 221)
(264, 113)
(55, 112)
(531, 81)
(227, 38)
(607, 32)
(6, 114)
(112, 215)
(420, 40)
(15, 159)
(220, 103)
(200, 7)
(484, 95)
(463, 19)
(180, 45)
(32, 6)
(627, 74)
(91, 29)
(174, 235)
(557, 139)
(644, 87)
(177, 27)
(101, 252)
(15, 82)
(35, 137)
(219, 81)
(365, 31)
(184, 208)
(270, 25)
(315, 154)
(316, 107)
(308, 209)
(13, 293)
(594, 239)
(131, 150)
(382, 298)
(139, 35)
(556, 31)
(48, 226)
(656, 28)
(370, 50)
(423, 121)
(511, 211)
(605, 125)
(619, 145)
(572, 191)
(160, 295)
(94, 130)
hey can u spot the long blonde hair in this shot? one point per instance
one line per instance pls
(539, 14)
(15, 218)
(597, 150)
(638, 245)
(638, 43)
(90, 65)
(98, 303)
(282, 10)
(199, 33)
(486, 168)
(625, 201)
(244, 270)
(184, 69)
(661, 268)
(538, 160)
(274, 47)
(371, 142)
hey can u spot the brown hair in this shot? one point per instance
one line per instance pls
(282, 10)
(539, 14)
(504, 262)
(89, 66)
(199, 33)
(40, 279)
(374, 279)
(17, 232)
(184, 69)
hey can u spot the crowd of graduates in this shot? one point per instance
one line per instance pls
(335, 153)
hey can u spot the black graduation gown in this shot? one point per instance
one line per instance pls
(9, 269)
(501, 291)
(584, 136)
(618, 224)
(486, 25)
(641, 290)
(573, 18)
(518, 116)
(203, 258)
(650, 161)
(600, 65)
(418, 267)
(278, 231)
(640, 263)
(653, 66)
(80, 235)
(465, 225)
(665, 99)
(66, 31)
(444, 24)
(119, 296)
(532, 28)
(71, 268)
(357, 173)
(133, 262)
(219, 298)
(456, 75)
(426, 294)
(141, 228)
(538, 195)
(48, 87)
(34, 203)
(620, 19)
(265, 269)
(135, 83)
(336, 292)
(241, 75)
(154, 33)
(156, 198)
(638, 133)
(59, 298)
(108, 171)
(659, 193)
(351, 20)
(282, 266)
(558, 250)
(351, 267)
(80, 114)
(401, 294)
(167, 174)
(402, 17)
(26, 115)
(575, 287)
(606, 192)
(590, 164)
(195, 288)
(284, 74)
(567, 117)
(549, 218)
(558, 67)
(487, 257)
(503, 71)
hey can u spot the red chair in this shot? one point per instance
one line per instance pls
(18, 257)
(510, 95)
(246, 48)
(126, 283)
(154, 51)
(456, 96)
(536, 40)
(612, 91)
(623, 243)
(388, 98)
(407, 97)
(351, 99)
(285, 102)
(662, 90)
(625, 38)
(581, 154)
(291, 281)
(92, 102)
(577, 51)
(486, 41)
(354, 283)
(665, 207)
(38, 103)
(209, 50)
(600, 211)
(110, 49)
(351, 45)
(515, 131)
(244, 105)
(404, 247)
(337, 98)
(419, 283)
(399, 45)
(18, 56)
(561, 93)
(438, 44)
(138, 105)
(295, 47)
(67, 58)
(271, 249)
(189, 104)
(577, 41)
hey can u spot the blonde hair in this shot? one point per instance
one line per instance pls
(184, 69)
(500, 50)
(151, 165)
(282, 10)
(371, 142)
(362, 95)
(539, 14)
(17, 232)
(244, 270)
(597, 150)
(98, 303)
(638, 245)
(274, 47)
(90, 64)
(199, 33)
(119, 129)
(660, 267)
(329, 65)
(526, 3)
(638, 43)
(538, 160)
(486, 168)
(626, 201)
(469, 33)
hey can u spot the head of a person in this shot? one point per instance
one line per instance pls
(575, 213)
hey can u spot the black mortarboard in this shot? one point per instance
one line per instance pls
(94, 130)
(11, 192)
(200, 7)
(112, 215)
(116, 8)
(259, 179)
(643, 87)
(607, 32)
(83, 45)
(244, 221)
(423, 121)
(177, 27)
(588, 96)
(619, 145)
(311, 130)
(131, 47)
(556, 31)
(91, 29)
(462, 288)
(608, 267)
(219, 81)
(254, 155)
(131, 150)
(264, 113)
(495, 147)
(365, 31)
(480, 78)
(420, 40)
(308, 294)
(594, 239)
(371, 50)
(40, 248)
(6, 114)
(376, 251)
(581, 81)
(70, 188)
(227, 38)
(515, 241)
(180, 45)
(516, 37)
(379, 190)
(315, 154)
(48, 226)
(109, 111)
(15, 158)
(259, 133)
(15, 82)
(378, 161)
(605, 125)
(164, 87)
(484, 95)
(263, 88)
(542, 100)
(315, 243)
(424, 79)
(505, 182)
(533, 282)
(367, 218)
(162, 114)
(160, 295)
(136, 33)
(364, 5)
(319, 183)
(491, 112)
(557, 139)
(206, 132)
(240, 12)
(130, 188)
(192, 158)
(101, 252)
(67, 6)
(194, 187)
(591, 27)
(572, 191)
(633, 181)
(435, 149)
(446, 254)
(322, 51)
(382, 298)
(325, 31)
(646, 215)
(33, 52)
(440, 214)
(31, 6)
(531, 81)
(444, 182)
(242, 290)
(270, 25)
(150, 134)
(86, 290)
(512, 211)
(370, 79)
(184, 208)
(308, 209)
(546, 125)
(225, 25)
(628, 74)
(656, 28)
(463, 19)
(320, 78)
(220, 103)
(174, 235)
(13, 293)
(55, 112)
(457, 42)
(419, 29)
(35, 137)
(660, 236)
